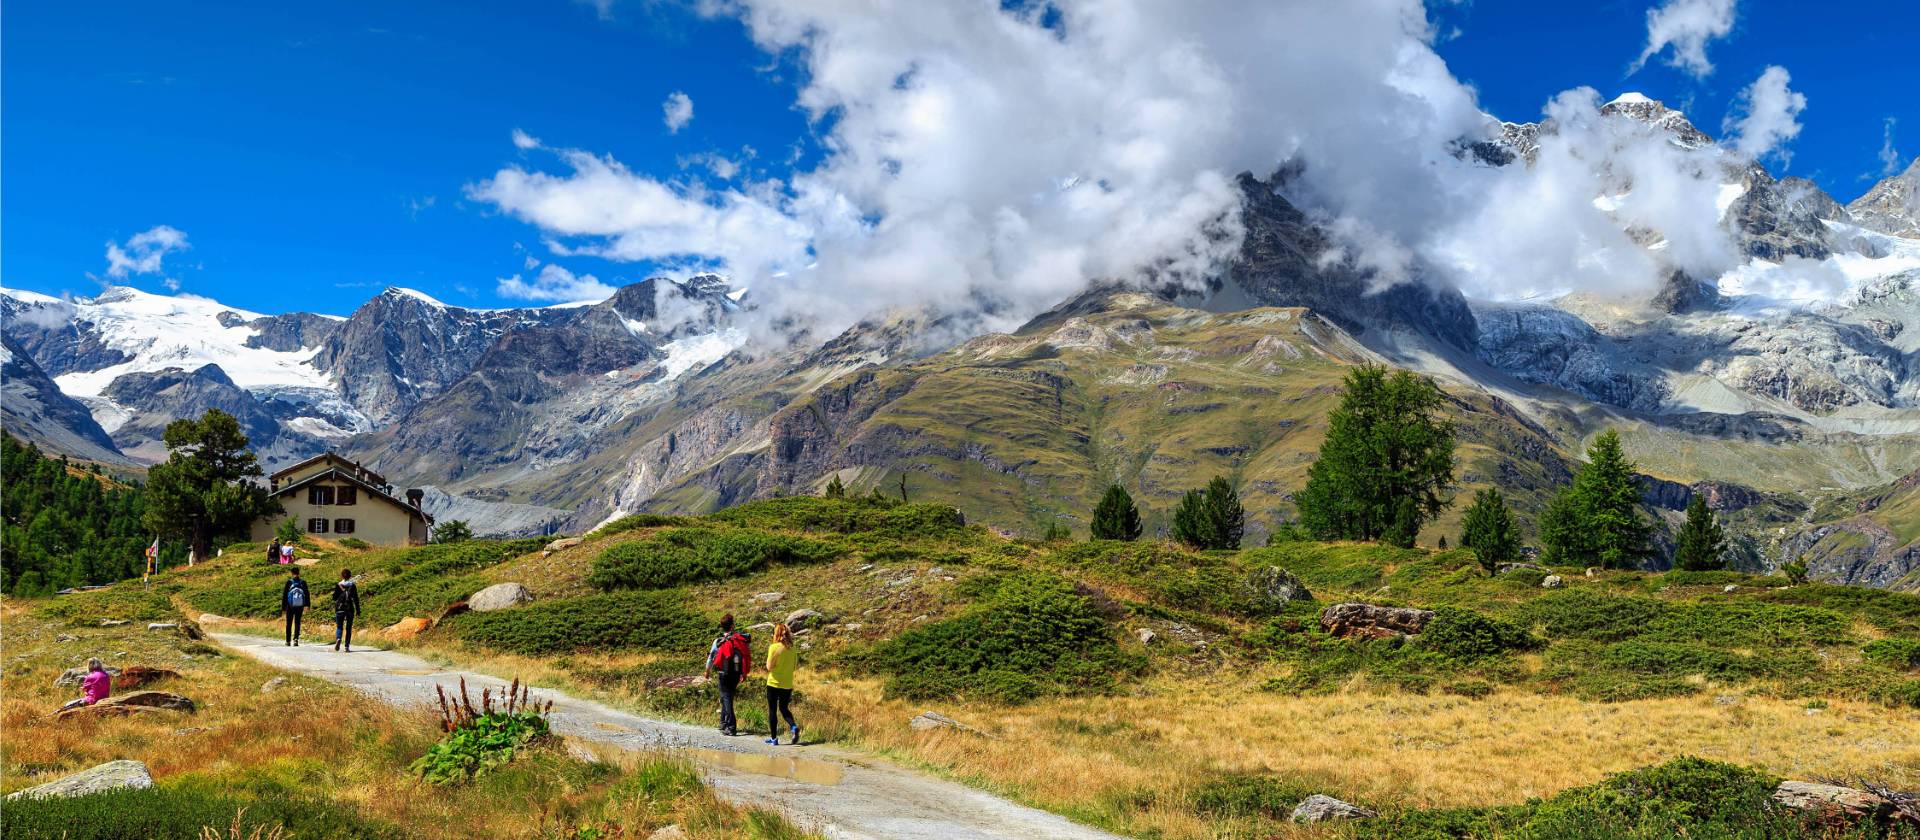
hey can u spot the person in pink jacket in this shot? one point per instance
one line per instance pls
(95, 687)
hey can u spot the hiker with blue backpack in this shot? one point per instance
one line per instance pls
(294, 599)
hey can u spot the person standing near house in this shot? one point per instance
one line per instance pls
(273, 551)
(732, 656)
(346, 607)
(782, 658)
(294, 599)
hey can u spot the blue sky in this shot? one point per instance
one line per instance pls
(313, 154)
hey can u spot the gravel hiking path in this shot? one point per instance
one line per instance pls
(835, 791)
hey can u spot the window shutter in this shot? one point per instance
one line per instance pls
(347, 496)
(317, 525)
(343, 526)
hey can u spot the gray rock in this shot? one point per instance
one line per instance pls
(114, 622)
(802, 618)
(499, 596)
(1514, 567)
(671, 831)
(272, 685)
(1813, 796)
(762, 627)
(1275, 587)
(1368, 621)
(929, 721)
(563, 543)
(769, 597)
(113, 775)
(163, 625)
(1731, 587)
(1145, 635)
(1550, 582)
(74, 676)
(1321, 807)
(1726, 700)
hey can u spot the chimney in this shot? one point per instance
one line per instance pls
(414, 495)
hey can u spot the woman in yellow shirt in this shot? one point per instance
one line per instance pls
(782, 657)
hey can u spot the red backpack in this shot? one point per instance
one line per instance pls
(733, 657)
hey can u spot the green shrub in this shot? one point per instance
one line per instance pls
(1031, 634)
(1904, 693)
(1894, 612)
(881, 516)
(1607, 618)
(693, 555)
(1170, 576)
(1239, 795)
(124, 601)
(1468, 635)
(1578, 614)
(1893, 653)
(621, 620)
(479, 745)
(181, 807)
(355, 543)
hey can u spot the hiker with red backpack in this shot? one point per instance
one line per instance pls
(731, 657)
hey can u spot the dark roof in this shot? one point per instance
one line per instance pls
(372, 489)
(328, 456)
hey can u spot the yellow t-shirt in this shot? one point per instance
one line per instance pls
(781, 660)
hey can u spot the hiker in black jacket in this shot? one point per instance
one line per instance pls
(294, 599)
(346, 605)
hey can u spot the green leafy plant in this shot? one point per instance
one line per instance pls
(481, 738)
(288, 531)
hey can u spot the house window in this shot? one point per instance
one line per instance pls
(317, 525)
(346, 496)
(343, 526)
(319, 496)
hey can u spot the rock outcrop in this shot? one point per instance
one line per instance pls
(1367, 621)
(1321, 808)
(500, 596)
(113, 775)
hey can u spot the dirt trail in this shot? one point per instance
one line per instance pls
(835, 791)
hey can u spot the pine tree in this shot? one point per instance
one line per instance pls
(1116, 517)
(836, 490)
(1702, 543)
(1597, 520)
(1385, 462)
(1211, 518)
(1490, 531)
(452, 531)
(203, 490)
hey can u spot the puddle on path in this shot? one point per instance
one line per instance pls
(797, 768)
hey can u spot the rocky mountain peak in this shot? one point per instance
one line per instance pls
(1893, 206)
(1655, 113)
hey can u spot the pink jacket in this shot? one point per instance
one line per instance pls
(97, 686)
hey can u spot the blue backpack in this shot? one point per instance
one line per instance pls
(297, 594)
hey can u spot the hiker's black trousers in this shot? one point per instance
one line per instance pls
(728, 685)
(293, 623)
(343, 629)
(779, 702)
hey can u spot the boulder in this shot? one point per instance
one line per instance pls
(210, 618)
(113, 775)
(1274, 588)
(407, 628)
(114, 622)
(563, 543)
(802, 618)
(1366, 621)
(136, 676)
(769, 597)
(163, 625)
(762, 627)
(682, 681)
(74, 676)
(1321, 807)
(1145, 635)
(1504, 568)
(1550, 582)
(272, 685)
(1831, 799)
(930, 721)
(670, 831)
(1730, 588)
(499, 596)
(135, 702)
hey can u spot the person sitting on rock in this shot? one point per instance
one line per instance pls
(95, 688)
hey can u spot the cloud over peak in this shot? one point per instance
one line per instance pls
(1685, 27)
(144, 252)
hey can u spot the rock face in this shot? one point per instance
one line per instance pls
(1892, 206)
(1321, 808)
(499, 596)
(1831, 799)
(1366, 621)
(113, 775)
(1274, 587)
(35, 410)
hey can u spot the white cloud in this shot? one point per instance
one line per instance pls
(144, 251)
(677, 111)
(1765, 115)
(1686, 26)
(1890, 159)
(557, 284)
(524, 141)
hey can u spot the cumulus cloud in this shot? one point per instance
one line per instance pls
(144, 252)
(524, 141)
(677, 111)
(1890, 159)
(554, 283)
(991, 161)
(1685, 27)
(1765, 115)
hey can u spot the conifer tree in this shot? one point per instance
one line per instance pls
(1116, 517)
(1211, 518)
(1702, 543)
(836, 490)
(203, 490)
(1597, 520)
(1385, 462)
(1490, 531)
(452, 531)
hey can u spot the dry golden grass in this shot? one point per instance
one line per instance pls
(310, 736)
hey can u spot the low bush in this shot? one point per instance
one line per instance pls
(1578, 614)
(693, 555)
(124, 601)
(1467, 635)
(181, 807)
(355, 543)
(1170, 576)
(1239, 795)
(617, 621)
(1894, 612)
(1610, 618)
(636, 522)
(1899, 654)
(883, 517)
(1028, 635)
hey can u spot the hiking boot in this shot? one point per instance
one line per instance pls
(796, 733)
(775, 741)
